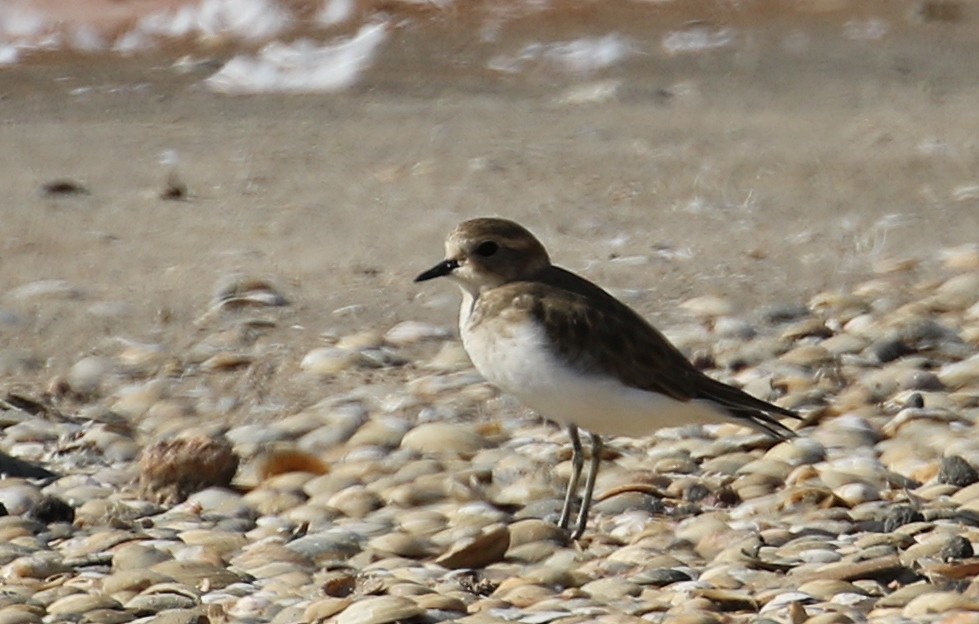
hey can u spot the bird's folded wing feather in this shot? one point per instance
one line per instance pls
(594, 332)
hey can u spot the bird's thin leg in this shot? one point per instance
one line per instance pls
(577, 463)
(596, 458)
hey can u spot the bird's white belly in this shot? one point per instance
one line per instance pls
(514, 357)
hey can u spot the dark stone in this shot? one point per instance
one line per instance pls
(783, 313)
(696, 493)
(915, 400)
(956, 471)
(957, 547)
(889, 349)
(899, 516)
(922, 380)
(660, 577)
(63, 186)
(630, 501)
(13, 467)
(50, 509)
(727, 497)
(926, 333)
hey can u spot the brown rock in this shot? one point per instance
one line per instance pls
(172, 470)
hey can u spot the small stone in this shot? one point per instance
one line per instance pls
(226, 361)
(611, 588)
(708, 306)
(402, 545)
(18, 498)
(135, 556)
(629, 501)
(440, 437)
(899, 516)
(533, 530)
(805, 328)
(903, 595)
(330, 361)
(46, 289)
(958, 292)
(80, 604)
(888, 349)
(938, 602)
(660, 577)
(12, 467)
(957, 547)
(39, 565)
(238, 290)
(383, 432)
(809, 356)
(196, 574)
(782, 313)
(157, 602)
(87, 375)
(450, 358)
(798, 452)
(63, 186)
(172, 470)
(961, 374)
(956, 471)
(921, 380)
(854, 494)
(734, 328)
(327, 546)
(915, 401)
(844, 344)
(488, 547)
(380, 610)
(52, 509)
(288, 460)
(961, 258)
(411, 332)
(325, 608)
(355, 501)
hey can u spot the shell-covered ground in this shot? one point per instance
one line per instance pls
(419, 494)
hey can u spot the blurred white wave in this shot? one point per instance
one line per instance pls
(580, 56)
(135, 27)
(302, 66)
(697, 39)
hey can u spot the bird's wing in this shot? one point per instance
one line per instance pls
(594, 332)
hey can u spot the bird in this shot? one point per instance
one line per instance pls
(575, 354)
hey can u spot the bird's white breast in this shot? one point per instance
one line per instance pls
(514, 356)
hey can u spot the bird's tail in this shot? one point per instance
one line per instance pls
(752, 411)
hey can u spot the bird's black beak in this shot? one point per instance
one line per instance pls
(441, 269)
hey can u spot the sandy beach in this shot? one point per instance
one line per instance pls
(822, 152)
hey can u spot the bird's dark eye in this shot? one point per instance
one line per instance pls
(487, 248)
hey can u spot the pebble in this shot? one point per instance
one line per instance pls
(961, 258)
(85, 377)
(486, 548)
(172, 470)
(379, 610)
(707, 306)
(960, 374)
(412, 332)
(330, 361)
(440, 438)
(46, 289)
(956, 471)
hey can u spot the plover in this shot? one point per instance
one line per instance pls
(575, 354)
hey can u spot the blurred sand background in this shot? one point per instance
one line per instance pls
(810, 153)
